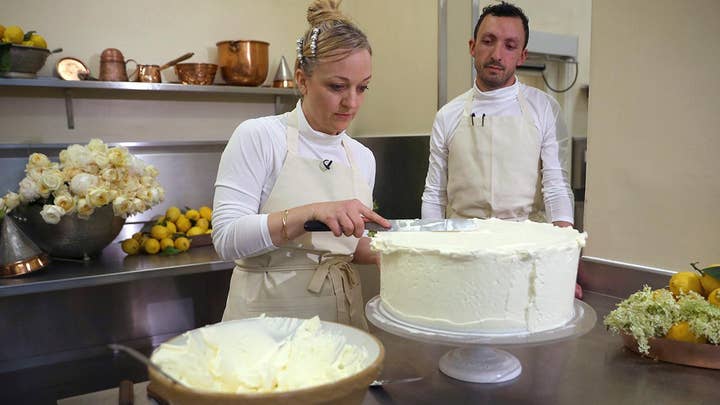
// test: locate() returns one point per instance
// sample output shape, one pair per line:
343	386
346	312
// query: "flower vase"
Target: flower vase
72	237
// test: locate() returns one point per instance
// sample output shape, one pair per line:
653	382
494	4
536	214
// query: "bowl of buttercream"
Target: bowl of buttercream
267	360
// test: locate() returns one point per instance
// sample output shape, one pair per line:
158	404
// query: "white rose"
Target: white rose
101	159
52	213
139	205
34	173
151	171
122	207
109	174
131	184
118	156
98	196
147	181
80	184
157	194
66	202
52	179
97	145
29	190
137	166
12	200
77	156
84	209
38	160
2	204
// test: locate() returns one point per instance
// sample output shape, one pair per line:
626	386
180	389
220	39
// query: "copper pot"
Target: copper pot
112	66
243	62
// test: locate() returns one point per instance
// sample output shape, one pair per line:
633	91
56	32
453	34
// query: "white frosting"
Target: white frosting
278	354
503	277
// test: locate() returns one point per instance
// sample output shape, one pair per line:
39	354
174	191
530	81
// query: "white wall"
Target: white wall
653	188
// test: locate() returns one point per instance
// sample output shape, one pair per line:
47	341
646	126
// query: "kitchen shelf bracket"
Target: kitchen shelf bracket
69	114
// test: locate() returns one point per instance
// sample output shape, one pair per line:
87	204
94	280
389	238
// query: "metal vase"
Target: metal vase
72	237
18	254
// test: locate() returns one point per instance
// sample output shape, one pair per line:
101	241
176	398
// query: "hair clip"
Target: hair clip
313	41
299	43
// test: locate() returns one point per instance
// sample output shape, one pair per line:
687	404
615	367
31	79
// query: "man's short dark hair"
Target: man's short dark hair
504	9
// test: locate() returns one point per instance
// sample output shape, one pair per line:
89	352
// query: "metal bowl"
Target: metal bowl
24	61
196	73
72	237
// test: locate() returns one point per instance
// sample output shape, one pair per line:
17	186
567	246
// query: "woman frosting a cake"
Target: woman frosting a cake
278	172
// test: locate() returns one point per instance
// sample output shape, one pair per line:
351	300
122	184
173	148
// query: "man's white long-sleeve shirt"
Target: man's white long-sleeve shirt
249	168
554	152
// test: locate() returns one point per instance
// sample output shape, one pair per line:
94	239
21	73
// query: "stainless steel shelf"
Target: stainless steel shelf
71	88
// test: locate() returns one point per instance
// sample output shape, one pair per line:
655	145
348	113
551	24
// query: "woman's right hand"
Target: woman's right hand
346	217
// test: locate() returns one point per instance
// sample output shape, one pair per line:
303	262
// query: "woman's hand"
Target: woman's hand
346	217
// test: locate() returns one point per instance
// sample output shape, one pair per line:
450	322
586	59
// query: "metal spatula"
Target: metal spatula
408	225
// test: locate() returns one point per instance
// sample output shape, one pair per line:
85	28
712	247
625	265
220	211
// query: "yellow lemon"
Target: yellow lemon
182	244
183	224
173	213
2	30
27	43
38	40
714	297
137	236
205	212
208	232
192	215
159	232
151	246
130	246
195	231
166	243
13	34
203	224
171	227
161	221
681	331
685	281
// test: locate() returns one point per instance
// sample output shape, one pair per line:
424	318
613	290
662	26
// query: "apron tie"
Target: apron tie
345	283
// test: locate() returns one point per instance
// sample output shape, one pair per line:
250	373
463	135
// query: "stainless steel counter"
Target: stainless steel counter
112	266
591	369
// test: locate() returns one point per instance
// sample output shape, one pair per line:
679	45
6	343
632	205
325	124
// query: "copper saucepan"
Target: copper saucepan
151	73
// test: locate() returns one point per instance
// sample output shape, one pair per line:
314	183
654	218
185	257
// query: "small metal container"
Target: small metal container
196	73
112	66
243	62
18	254
24	61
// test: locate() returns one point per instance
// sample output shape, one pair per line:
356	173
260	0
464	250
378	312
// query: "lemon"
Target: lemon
161	221
714	297
13	34
183	224
195	231
681	331
159	232
192	215
151	246
171	227
166	243
38	41
203	224
27	43
137	236
685	281
205	212
182	244
172	213
130	246
2	30
208	232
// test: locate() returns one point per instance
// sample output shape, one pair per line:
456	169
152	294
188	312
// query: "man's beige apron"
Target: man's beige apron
310	275
494	167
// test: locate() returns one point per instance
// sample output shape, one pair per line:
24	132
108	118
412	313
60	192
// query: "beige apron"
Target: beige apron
310	275
494	167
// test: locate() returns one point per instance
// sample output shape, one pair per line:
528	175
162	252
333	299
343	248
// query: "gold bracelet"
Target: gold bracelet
284	224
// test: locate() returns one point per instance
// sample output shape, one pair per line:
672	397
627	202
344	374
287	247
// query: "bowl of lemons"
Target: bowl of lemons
22	54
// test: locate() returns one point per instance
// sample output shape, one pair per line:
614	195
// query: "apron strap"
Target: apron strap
345	283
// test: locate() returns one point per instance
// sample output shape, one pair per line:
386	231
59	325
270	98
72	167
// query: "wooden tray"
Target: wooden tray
672	351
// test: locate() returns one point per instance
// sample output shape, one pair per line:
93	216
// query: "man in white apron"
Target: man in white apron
278	172
501	149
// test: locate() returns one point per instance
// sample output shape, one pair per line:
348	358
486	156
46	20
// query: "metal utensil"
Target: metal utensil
143	359
380	383
408	225
176	61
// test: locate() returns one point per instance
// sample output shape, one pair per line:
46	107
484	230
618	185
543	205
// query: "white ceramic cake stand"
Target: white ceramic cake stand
475	361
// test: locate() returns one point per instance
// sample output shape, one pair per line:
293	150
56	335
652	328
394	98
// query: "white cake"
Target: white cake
504	277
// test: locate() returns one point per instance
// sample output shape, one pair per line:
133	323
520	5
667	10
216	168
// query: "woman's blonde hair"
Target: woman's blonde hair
331	36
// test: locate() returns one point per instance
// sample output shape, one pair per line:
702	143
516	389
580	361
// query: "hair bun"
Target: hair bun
321	11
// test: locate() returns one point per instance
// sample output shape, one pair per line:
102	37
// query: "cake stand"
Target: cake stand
475	360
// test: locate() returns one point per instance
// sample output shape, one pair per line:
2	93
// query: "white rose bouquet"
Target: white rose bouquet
87	177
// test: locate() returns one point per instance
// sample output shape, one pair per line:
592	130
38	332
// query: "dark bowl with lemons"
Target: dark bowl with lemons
21	61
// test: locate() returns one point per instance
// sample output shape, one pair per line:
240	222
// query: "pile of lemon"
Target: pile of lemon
706	282
15	35
171	233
